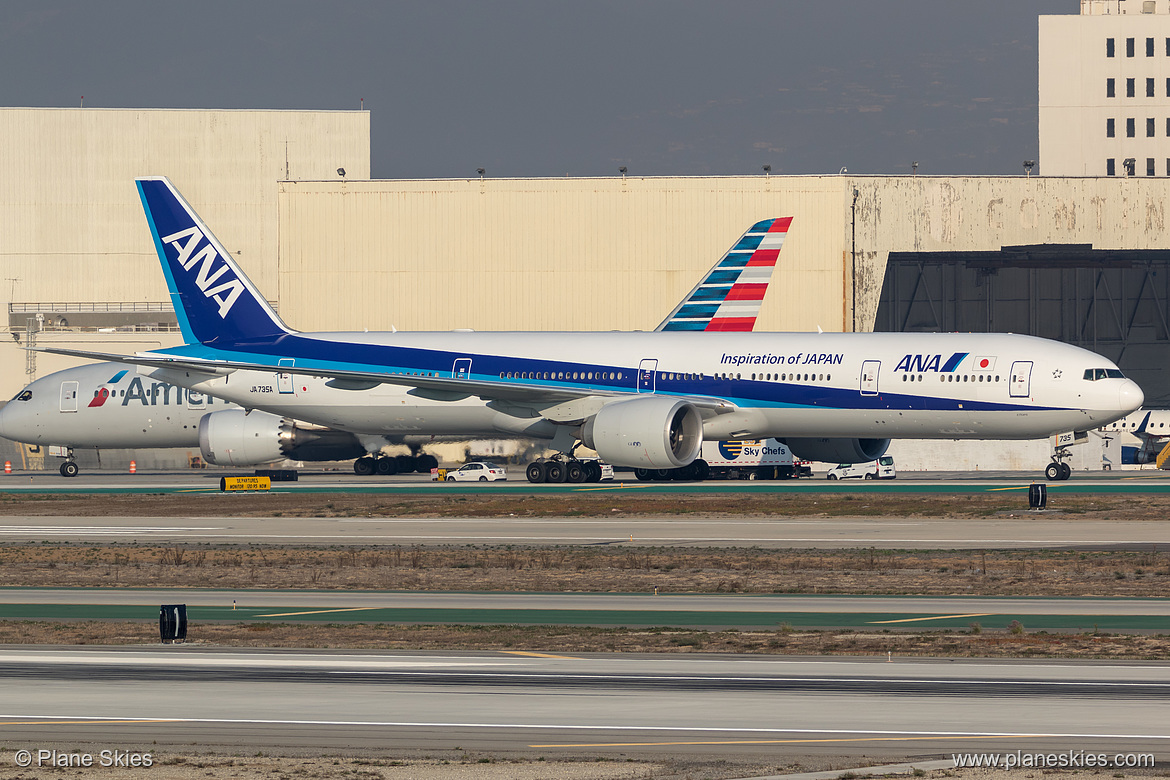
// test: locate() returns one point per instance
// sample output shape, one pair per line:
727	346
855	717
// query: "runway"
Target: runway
597	705
705	611
1022	530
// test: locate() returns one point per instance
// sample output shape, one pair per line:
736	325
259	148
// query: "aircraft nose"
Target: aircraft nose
6	421
1131	396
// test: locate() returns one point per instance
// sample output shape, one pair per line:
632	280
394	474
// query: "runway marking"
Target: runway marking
936	617
612	487
539	655
87	722
319	611
779	741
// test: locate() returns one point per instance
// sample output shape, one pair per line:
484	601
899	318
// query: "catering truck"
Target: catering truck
752	459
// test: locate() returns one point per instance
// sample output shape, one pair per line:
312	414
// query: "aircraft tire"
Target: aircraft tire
592	471
363	466
404	464
575	472
555	471
535	472
424	463
642	475
385	466
1053	471
662	475
69	469
1065	471
702	470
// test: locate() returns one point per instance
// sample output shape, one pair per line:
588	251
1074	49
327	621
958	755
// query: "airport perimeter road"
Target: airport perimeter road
1022	530
1146	481
593	705
703	611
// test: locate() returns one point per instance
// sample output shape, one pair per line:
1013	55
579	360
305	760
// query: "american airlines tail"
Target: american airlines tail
214	301
729	297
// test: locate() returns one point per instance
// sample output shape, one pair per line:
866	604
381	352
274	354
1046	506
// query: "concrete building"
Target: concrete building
1105	90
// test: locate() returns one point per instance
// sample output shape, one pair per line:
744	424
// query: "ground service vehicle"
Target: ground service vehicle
751	459
882	468
478	471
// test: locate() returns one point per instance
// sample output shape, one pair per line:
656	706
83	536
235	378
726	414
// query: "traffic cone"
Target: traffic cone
7	467
133	467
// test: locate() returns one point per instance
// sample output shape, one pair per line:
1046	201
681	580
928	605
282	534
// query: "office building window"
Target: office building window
1110	128
1129	128
1167	87
1150	166
1150	127
1149	47
1149	87
1168	47
1129	87
1110	167
1109	46
1168	127
1111	91
1168	166
1129	47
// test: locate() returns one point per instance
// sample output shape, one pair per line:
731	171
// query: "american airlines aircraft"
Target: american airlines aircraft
105	405
639	399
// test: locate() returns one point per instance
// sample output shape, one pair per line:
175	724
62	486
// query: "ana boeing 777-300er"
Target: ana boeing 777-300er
106	406
639	399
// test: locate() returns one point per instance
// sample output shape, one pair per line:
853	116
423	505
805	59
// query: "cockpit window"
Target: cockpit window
1093	374
23	395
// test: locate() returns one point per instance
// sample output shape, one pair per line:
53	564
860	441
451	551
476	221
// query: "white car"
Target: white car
478	471
882	468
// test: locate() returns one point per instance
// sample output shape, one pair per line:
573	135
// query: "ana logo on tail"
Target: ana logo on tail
185	242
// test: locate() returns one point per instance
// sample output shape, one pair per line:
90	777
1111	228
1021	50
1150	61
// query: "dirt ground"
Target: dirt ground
176	765
584	504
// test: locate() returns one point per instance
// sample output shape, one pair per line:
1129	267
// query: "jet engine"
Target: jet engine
838	450
651	431
235	438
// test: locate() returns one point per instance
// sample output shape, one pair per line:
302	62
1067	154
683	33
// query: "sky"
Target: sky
549	88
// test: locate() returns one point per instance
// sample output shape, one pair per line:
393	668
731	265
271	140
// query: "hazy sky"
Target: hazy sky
544	88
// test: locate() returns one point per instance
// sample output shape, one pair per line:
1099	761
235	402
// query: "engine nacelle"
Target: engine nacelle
652	431
838	450
233	438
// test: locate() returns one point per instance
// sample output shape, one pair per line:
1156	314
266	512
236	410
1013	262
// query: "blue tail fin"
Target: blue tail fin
214	301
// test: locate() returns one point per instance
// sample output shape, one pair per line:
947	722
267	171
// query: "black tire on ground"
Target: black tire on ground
642	475
555	471
404	464
663	474
831	476
592	471
574	472
424	463
535	472
363	466
69	469
1053	471
869	476
386	466
1065	471
450	479
702	470
483	479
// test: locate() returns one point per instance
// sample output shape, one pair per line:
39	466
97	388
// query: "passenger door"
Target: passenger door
461	369
69	396
869	376
1020	384
646	371
284	382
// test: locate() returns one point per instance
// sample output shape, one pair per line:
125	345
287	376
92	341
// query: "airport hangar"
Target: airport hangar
1083	260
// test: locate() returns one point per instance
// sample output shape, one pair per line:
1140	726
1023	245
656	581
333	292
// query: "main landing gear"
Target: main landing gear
556	469
388	465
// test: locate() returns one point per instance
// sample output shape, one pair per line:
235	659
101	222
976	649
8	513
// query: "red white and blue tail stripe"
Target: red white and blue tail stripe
729	297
